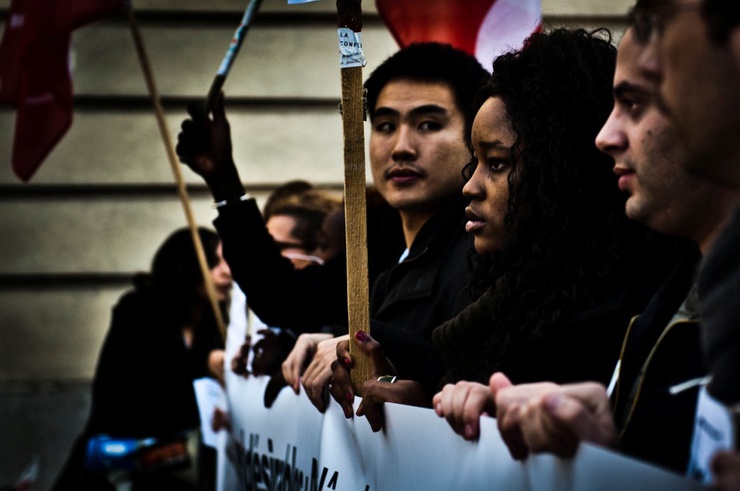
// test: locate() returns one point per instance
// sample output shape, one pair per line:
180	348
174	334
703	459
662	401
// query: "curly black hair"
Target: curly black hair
568	238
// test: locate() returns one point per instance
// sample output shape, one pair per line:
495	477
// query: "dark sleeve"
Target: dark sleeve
141	385
411	353
207	339
461	341
302	300
719	283
120	368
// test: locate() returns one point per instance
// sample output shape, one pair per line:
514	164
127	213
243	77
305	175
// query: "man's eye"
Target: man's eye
633	106
384	127
430	126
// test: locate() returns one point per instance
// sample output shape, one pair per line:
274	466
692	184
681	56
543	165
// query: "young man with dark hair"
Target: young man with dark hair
418	101
697	46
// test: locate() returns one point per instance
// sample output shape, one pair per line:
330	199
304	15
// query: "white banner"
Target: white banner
291	446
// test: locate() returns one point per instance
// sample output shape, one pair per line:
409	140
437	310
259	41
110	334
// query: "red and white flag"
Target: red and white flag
484	28
34	72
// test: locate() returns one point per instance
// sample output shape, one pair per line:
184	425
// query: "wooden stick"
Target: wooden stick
161	121
358	297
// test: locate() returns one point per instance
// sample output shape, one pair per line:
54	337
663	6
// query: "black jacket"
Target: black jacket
430	286
655	425
719	284
143	382
583	345
316	295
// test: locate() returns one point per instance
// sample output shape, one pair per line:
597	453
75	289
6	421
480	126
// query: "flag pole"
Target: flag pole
352	59
236	42
182	191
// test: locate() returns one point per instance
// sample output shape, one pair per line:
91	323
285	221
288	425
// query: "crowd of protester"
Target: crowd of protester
551	243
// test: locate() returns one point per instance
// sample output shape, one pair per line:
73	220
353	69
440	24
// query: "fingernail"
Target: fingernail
361	336
347	362
438	408
348	396
468	432
347	412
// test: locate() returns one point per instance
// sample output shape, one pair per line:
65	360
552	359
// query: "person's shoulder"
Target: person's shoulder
134	302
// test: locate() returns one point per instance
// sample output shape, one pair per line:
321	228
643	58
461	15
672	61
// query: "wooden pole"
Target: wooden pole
182	191
358	298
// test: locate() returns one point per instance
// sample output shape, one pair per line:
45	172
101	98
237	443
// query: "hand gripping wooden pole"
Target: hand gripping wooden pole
352	107
182	191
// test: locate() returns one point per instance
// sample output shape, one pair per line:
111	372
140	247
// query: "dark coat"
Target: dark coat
719	285
143	387
429	287
143	383
583	345
655	425
316	294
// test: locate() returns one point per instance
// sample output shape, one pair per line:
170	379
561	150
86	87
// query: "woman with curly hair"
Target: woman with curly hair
561	264
561	268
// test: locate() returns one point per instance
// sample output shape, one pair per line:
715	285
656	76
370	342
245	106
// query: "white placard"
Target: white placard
713	431
210	396
292	446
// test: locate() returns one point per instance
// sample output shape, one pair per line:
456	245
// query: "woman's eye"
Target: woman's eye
496	164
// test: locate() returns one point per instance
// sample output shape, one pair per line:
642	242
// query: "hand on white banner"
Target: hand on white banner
551	418
269	353
240	362
316	378
341	383
404	392
462	405
300	356
377	392
220	420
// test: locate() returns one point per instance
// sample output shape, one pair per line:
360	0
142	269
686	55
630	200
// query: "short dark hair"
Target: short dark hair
431	63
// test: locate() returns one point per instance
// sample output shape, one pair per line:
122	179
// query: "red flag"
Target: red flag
34	72
484	28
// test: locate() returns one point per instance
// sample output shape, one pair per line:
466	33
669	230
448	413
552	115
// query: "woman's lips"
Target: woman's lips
474	222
